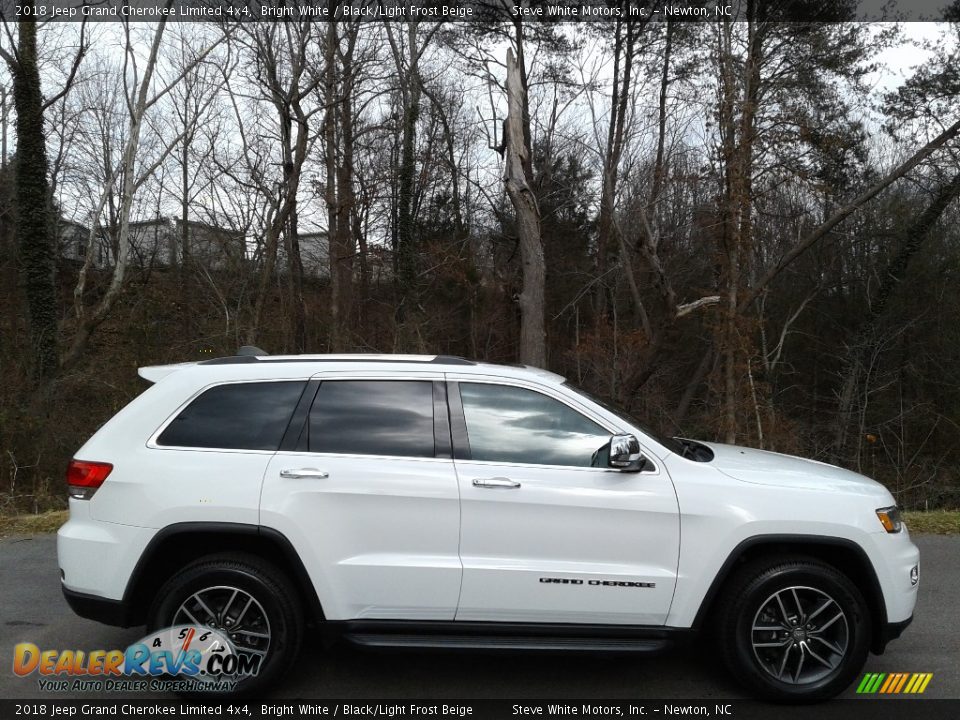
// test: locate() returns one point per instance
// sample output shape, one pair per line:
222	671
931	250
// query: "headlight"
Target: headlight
890	519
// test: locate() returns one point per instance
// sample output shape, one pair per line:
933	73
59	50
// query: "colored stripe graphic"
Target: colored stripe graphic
886	685
903	680
894	683
867	684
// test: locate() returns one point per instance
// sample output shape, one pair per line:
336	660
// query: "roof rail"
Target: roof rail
249	354
451	360
231	360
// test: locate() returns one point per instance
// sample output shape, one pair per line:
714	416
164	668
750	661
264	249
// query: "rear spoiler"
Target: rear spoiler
156	373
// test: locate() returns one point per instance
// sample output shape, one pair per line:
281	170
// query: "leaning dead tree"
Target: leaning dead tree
518	179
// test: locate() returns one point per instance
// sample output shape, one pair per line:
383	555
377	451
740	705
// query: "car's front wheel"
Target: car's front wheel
244	599
794	630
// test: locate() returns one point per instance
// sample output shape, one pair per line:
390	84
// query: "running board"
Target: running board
507	636
477	642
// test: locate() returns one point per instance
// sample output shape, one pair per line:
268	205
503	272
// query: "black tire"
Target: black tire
260	580
753	599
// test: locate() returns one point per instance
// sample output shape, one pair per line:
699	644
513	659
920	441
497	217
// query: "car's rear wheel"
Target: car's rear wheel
793	630
246	600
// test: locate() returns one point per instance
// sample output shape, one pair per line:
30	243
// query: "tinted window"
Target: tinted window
373	417
667	442
247	416
511	424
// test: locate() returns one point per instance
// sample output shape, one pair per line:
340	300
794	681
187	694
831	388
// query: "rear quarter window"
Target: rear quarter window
236	416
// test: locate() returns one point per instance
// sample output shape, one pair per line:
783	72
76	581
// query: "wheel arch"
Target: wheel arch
176	545
841	553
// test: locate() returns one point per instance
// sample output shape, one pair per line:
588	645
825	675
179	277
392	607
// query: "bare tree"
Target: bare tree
518	179
131	177
286	75
341	74
407	53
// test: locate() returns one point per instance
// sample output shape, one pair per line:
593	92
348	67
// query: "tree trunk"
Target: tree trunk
285	91
406	238
608	236
518	179
330	184
738	138
185	188
343	240
36	246
291	183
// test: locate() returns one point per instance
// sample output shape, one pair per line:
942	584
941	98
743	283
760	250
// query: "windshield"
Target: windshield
667	442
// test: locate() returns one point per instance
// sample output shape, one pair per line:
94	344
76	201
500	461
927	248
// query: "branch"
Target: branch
842	214
12	56
81	53
777	351
687	308
227	32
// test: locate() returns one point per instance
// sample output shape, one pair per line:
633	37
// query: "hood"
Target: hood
770	468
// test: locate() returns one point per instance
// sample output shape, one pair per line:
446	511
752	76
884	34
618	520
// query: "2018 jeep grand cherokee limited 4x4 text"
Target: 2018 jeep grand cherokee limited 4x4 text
434	501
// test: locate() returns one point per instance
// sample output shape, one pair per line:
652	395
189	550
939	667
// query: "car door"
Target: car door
549	533
368	495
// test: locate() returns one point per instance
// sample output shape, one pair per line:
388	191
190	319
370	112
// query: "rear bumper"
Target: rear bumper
95	557
888	632
103	610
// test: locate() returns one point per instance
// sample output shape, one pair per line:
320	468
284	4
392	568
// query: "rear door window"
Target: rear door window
235	416
373	417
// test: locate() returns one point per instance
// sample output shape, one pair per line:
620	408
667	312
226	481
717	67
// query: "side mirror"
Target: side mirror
625	453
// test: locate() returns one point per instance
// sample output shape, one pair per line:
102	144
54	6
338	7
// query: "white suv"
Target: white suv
433	501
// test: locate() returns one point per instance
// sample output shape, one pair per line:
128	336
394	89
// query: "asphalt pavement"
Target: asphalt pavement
32	609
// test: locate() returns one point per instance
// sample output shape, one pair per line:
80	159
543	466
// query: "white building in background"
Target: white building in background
73	240
157	243
162	242
315	254
153	243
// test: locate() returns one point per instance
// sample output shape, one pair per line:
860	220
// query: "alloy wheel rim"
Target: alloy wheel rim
800	635
231	611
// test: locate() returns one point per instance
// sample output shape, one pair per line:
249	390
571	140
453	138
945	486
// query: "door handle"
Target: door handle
304	474
496	482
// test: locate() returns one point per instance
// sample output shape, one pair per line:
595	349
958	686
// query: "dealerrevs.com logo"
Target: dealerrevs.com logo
181	658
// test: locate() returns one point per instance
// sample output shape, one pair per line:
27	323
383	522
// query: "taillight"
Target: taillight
84	477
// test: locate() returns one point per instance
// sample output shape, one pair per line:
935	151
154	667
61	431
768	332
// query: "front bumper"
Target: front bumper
894	556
